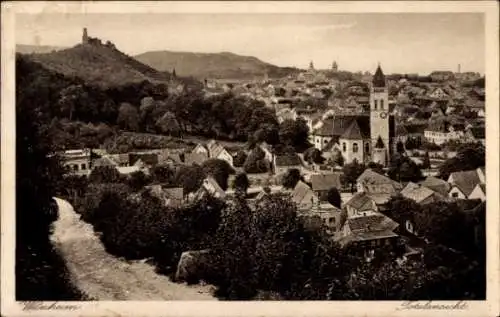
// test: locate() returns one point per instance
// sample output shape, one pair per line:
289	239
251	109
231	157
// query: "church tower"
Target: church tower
379	113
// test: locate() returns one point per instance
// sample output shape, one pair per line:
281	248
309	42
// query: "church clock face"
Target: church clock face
383	115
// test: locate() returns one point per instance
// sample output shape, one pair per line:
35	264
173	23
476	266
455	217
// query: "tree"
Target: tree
334	197
189	178
105	174
163	174
426	163
469	157
241	183
219	170
294	133
403	169
291	178
239	158
40	273
401	209
138	180
234	254
256	162
376	167
400	147
313	155
352	171
338	159
128	117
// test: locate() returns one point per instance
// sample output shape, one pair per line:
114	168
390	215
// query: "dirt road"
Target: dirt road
104	277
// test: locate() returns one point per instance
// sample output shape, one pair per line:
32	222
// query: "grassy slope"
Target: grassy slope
99	64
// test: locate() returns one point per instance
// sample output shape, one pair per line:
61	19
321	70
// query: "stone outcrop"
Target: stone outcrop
192	266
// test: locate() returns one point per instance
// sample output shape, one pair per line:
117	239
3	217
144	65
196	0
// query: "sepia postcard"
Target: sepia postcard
250	158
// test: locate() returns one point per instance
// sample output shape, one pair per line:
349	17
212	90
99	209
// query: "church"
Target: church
365	137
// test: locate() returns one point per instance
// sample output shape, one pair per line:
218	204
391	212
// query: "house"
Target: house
479	192
442	131
303	196
105	161
210	187
476	134
436	184
323	215
217	151
438	93
268	153
121	159
195	158
148	159
464	182
77	161
374	183
365	227
322	183
421	194
171	197
200	149
283	162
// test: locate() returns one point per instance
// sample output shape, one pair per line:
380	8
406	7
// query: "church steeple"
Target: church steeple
311	65
379	78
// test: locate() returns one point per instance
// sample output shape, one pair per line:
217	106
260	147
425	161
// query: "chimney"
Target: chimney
459	68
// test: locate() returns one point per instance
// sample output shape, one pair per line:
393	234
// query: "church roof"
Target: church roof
379	144
337	125
353	132
378	78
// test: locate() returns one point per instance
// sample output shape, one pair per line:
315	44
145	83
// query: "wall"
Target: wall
349	154
459	194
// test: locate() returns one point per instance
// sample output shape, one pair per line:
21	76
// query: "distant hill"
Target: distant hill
100	64
213	65
36	49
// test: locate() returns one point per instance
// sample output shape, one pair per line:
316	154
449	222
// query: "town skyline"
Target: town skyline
357	42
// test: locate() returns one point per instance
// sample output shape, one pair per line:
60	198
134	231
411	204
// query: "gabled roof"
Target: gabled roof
361	201
300	191
371	177
195	158
147	158
104	161
436	184
371	223
339	124
379	78
322	182
421	193
466	181
353	132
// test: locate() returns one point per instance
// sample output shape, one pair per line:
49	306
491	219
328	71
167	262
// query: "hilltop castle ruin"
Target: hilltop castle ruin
87	40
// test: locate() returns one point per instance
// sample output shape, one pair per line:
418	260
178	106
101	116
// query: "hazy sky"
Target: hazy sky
418	42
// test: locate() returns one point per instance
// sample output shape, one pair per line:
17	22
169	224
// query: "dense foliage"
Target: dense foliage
469	157
41	273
